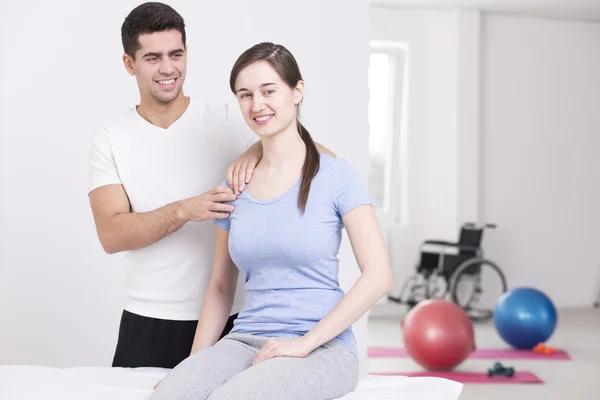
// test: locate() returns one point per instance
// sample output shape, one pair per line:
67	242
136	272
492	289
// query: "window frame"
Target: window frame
393	212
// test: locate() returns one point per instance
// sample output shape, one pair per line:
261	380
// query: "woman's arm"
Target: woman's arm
219	295
375	281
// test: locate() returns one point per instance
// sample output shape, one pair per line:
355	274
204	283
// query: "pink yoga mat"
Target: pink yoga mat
471	377
481	354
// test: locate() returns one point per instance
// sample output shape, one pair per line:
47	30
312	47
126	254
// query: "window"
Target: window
387	119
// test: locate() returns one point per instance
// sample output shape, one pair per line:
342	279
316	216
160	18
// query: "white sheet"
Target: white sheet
98	383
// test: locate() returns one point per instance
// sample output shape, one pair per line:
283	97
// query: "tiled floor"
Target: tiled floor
578	333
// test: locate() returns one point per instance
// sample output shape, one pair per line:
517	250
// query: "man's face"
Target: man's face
159	66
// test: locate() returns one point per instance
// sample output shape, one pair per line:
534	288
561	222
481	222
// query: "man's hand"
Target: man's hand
208	205
241	169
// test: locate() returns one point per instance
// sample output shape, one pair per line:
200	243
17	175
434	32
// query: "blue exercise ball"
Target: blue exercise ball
525	317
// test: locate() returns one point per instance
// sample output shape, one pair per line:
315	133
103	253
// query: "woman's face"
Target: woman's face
268	104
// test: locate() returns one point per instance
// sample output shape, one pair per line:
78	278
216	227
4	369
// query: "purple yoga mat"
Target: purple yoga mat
470	377
481	354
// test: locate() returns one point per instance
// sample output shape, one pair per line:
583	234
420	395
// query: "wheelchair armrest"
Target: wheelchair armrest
439	242
450	244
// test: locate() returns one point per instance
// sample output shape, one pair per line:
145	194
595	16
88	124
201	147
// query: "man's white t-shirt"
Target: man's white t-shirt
157	166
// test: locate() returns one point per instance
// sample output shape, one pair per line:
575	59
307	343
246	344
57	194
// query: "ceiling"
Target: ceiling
567	9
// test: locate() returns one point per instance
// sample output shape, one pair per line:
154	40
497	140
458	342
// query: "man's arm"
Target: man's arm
119	229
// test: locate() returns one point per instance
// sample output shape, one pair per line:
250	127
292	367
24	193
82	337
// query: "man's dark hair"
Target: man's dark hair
149	18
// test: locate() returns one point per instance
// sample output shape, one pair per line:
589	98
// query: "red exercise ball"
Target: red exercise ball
438	335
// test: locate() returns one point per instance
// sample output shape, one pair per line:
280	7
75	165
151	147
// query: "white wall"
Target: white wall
61	296
540	147
503	127
442	184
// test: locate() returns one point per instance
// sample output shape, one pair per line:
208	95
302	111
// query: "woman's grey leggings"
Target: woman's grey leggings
223	372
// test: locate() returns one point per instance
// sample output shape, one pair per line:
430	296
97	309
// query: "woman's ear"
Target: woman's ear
298	92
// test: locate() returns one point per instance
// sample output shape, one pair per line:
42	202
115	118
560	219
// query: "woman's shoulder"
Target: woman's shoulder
345	185
332	166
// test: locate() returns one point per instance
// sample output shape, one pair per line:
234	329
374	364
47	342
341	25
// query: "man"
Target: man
153	177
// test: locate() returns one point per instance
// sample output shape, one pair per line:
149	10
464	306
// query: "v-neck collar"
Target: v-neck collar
178	121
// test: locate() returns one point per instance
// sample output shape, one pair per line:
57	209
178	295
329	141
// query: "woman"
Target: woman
293	340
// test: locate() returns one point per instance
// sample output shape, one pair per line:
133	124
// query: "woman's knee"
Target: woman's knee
183	382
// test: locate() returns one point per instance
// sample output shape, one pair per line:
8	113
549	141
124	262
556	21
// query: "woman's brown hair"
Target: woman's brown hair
286	66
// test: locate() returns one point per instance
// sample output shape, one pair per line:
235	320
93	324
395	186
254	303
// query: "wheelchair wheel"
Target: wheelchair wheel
475	286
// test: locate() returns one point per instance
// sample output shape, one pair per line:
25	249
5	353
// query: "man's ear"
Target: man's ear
128	62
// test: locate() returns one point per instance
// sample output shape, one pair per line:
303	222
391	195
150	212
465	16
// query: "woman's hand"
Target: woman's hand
298	348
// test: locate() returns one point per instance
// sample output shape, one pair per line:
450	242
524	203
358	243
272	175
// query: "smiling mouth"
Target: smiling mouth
167	82
263	118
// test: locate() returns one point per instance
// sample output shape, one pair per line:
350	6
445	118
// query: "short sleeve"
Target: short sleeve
102	169
224	223
347	188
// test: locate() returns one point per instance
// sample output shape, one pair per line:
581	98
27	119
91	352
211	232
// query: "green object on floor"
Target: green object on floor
500	369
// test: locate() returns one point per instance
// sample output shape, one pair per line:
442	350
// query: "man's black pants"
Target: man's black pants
152	342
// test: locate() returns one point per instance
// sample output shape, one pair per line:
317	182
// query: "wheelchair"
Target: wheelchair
445	268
